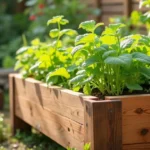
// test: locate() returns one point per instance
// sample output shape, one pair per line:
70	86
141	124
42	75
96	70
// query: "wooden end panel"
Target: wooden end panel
103	124
136	118
16	123
59	128
64	102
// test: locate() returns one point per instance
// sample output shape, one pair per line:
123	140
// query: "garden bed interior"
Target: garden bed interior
72	119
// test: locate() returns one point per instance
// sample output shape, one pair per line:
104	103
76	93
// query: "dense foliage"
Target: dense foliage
107	62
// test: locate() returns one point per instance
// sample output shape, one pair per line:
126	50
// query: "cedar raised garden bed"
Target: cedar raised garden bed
72	119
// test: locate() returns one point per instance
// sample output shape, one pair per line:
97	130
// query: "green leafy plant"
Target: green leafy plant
49	62
110	62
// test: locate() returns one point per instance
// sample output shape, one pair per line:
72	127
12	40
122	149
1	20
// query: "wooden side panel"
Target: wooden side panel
16	123
137	147
136	118
61	129
64	102
103	124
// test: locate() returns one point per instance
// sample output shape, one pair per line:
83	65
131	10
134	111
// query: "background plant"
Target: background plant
39	11
11	28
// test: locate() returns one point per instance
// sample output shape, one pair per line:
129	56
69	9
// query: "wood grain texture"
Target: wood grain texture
61	129
16	123
103	124
136	118
137	147
62	101
127	7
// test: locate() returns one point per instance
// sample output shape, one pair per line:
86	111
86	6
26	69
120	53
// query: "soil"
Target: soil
146	90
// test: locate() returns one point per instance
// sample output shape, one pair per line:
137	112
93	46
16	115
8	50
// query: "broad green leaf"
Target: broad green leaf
141	57
54	33
69	32
72	68
86	38
89	26
98	25
35	42
87	89
116	26
77	78
60	72
124	59
145	72
34	67
145	40
108	53
91	60
51	80
102	48
18	65
126	43
55	19
76	88
134	87
64	22
22	50
81	72
113	29
77	48
87	80
108	39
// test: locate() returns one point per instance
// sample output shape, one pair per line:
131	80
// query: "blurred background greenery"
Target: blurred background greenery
29	17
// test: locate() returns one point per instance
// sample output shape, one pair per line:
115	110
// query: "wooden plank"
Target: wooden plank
111	1
136	118
127	7
145	146
103	124
62	101
5	72
61	129
16	123
116	9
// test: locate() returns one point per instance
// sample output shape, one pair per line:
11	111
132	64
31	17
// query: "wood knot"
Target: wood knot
139	110
68	129
144	131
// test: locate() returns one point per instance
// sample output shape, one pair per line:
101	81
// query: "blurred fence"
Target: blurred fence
112	8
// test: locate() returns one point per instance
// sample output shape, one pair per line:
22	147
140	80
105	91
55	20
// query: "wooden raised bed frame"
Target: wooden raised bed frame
72	119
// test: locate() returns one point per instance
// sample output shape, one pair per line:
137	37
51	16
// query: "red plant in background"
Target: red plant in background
41	6
32	17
